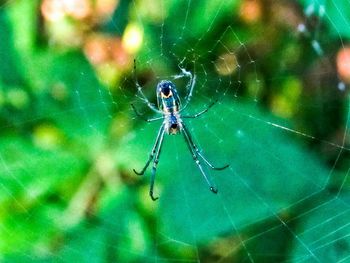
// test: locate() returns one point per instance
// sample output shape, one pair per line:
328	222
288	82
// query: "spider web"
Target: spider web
68	166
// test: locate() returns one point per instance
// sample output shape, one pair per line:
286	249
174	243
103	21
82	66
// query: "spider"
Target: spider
169	105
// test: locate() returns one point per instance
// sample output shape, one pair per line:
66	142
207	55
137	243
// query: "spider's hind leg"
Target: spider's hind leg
195	148
208	163
154	168
152	183
158	141
214	190
195	158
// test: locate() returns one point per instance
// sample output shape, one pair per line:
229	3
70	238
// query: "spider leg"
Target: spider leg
141	116
143	97
193	145
201	112
154	168
189	86
195	158
153	151
209	164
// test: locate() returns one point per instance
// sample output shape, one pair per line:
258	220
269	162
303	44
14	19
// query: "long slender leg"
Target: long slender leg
201	112
141	116
154	168
195	158
143	97
195	148
209	164
189	86
159	137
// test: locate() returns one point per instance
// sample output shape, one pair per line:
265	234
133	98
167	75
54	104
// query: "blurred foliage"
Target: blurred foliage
69	140
330	246
271	178
336	13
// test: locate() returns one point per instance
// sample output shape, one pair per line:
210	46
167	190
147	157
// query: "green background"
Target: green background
69	138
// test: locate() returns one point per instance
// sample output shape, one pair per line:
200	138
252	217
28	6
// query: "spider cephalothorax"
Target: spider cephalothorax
169	105
167	97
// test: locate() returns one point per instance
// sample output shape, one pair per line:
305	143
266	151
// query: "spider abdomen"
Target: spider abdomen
172	123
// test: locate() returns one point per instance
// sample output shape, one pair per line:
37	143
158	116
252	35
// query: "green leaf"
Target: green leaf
324	232
62	87
69	94
119	234
85	244
201	17
29	234
259	182
28	176
24	20
28	172
10	69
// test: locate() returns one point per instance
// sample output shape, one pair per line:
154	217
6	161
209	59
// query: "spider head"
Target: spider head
167	96
165	88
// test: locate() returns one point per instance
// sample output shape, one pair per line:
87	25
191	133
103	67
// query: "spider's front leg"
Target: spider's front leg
143	97
201	112
189	86
143	118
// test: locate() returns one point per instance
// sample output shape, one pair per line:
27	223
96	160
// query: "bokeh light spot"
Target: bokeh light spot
132	38
18	98
250	11
226	64
52	10
343	64
47	136
78	9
